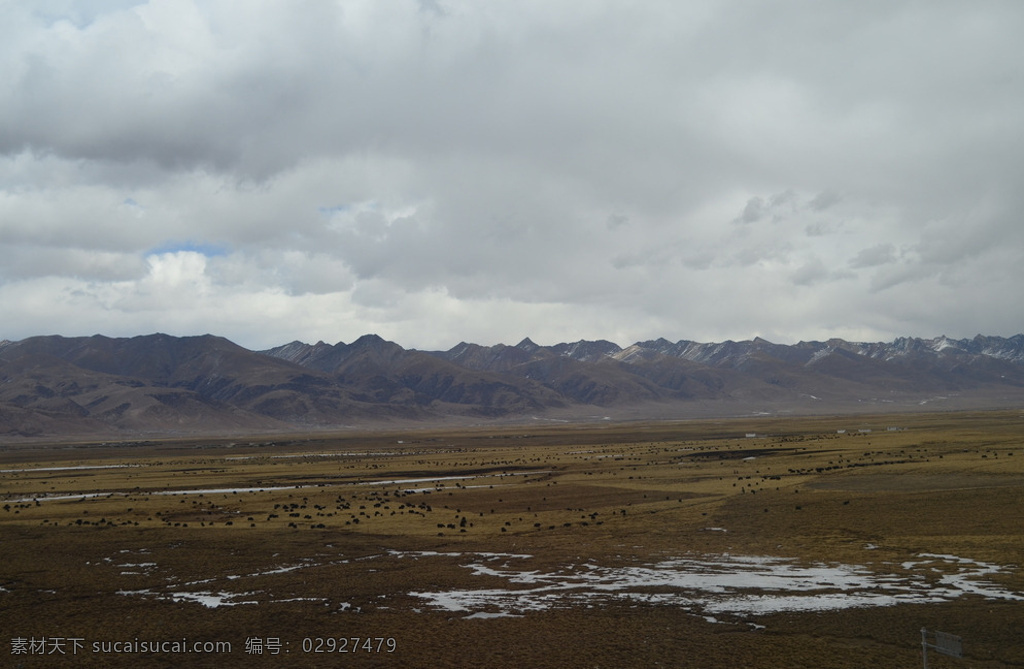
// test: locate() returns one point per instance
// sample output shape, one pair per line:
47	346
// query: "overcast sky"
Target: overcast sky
438	171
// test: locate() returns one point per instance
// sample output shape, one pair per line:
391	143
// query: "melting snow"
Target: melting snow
726	584
486	615
709	586
208	599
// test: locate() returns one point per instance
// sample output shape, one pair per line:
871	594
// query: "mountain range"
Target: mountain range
91	387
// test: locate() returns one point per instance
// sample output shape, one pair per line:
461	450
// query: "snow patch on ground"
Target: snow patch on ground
725	584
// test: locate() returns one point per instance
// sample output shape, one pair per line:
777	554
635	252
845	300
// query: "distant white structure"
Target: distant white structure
751	435
865	430
840	431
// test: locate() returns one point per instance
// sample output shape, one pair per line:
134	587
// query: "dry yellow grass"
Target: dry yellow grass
333	536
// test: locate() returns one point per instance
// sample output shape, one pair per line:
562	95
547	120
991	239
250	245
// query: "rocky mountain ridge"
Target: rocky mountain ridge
56	386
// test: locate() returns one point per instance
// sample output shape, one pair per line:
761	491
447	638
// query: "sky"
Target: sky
443	171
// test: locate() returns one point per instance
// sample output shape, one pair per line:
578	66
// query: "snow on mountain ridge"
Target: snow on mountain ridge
732	352
819	354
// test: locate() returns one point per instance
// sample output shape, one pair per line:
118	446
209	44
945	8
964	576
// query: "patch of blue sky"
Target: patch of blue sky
82	14
333	210
205	248
336	209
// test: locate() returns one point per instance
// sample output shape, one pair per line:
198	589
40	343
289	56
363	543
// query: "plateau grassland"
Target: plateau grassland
763	542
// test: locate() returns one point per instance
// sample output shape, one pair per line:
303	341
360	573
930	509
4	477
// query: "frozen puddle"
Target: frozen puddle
437	482
726	584
65	469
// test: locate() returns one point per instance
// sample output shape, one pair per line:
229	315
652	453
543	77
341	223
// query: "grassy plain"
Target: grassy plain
313	537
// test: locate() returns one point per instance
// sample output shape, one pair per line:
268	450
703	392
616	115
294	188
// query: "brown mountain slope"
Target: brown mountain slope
162	384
